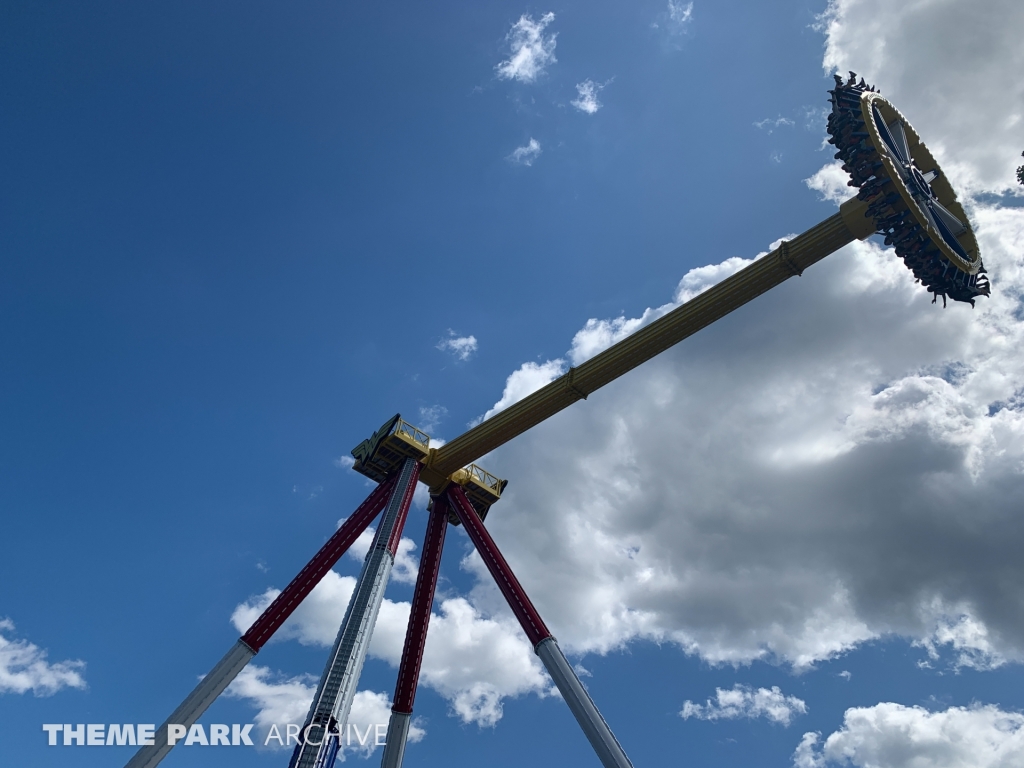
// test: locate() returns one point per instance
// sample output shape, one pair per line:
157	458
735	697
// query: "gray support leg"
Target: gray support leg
596	729
193	707
338	683
398	732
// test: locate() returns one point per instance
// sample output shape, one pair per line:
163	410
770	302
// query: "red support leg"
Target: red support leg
279	610
416	635
545	646
243	651
509	585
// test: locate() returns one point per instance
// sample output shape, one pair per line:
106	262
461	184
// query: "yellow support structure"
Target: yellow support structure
389	447
788	260
482	488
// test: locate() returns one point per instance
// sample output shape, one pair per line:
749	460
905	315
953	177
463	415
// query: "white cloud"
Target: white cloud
839	461
674	22
431	416
830	181
891	735
967	637
472	658
531	51
760	492
525	155
743	701
278	699
677	17
406	566
462	347
597	335
371	708
586	100
24	668
771	125
421	496
955	75
525	381
804	756
475	662
281	700
345	462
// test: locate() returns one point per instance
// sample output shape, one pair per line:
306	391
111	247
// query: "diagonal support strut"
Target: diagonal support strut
328	714
583	708
416	634
249	644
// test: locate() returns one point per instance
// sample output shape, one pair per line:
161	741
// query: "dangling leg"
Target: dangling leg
416	634
341	675
544	644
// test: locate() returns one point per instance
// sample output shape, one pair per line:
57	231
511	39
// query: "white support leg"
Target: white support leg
193	707
398	733
333	697
594	726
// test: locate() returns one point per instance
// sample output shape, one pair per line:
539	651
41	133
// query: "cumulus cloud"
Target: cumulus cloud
525	155
462	347
527	379
598	335
743	701
830	182
280	700
964	635
896	736
953	71
531	51
406	565
586	99
475	659
24	668
823	467
839	461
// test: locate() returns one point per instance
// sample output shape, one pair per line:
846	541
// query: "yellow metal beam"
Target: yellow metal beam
789	259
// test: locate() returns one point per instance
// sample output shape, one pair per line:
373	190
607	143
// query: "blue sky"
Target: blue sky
235	238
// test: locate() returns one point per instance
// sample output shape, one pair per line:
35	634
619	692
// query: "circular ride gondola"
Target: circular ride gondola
908	197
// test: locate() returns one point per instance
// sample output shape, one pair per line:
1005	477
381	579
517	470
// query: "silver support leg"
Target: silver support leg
192	708
398	732
596	729
333	698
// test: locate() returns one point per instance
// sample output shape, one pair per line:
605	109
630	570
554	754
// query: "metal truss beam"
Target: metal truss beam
333	699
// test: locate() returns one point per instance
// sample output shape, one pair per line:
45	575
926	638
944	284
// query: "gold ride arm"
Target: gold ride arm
789	259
